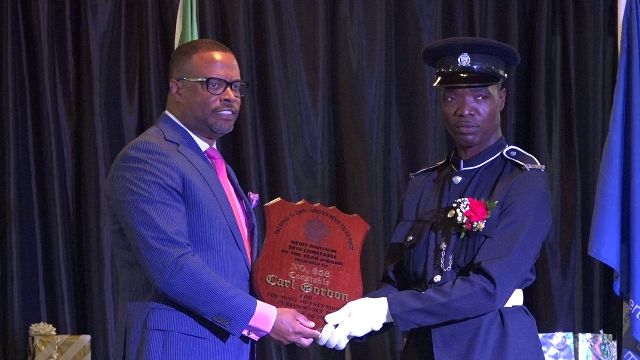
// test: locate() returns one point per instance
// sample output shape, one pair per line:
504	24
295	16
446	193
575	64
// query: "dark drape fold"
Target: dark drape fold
340	111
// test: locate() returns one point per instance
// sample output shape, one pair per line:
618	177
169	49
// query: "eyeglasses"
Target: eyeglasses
217	86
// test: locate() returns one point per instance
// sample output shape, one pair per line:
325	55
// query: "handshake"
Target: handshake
357	318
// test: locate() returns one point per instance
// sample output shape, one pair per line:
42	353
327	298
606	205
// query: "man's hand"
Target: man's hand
357	318
292	327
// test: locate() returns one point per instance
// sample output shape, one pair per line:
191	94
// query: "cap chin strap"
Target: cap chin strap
439	78
470	76
475	68
437	84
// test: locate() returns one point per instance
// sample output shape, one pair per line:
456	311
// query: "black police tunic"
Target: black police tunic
448	291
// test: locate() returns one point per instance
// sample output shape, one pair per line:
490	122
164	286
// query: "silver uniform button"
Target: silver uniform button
456	179
437	278
512	153
409	238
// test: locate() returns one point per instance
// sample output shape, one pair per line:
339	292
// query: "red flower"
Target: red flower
471	214
477	212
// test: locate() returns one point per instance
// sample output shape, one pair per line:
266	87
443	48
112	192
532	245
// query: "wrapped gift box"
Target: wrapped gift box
60	347
558	346
582	346
596	346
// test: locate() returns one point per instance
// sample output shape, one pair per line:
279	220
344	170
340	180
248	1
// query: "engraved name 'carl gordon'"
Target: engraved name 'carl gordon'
317	283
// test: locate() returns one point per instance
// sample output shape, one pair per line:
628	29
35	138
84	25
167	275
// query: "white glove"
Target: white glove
357	318
333	338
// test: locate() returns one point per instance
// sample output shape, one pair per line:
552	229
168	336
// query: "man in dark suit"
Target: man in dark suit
184	233
471	229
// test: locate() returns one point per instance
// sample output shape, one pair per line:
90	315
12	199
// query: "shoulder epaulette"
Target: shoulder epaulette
524	160
432	167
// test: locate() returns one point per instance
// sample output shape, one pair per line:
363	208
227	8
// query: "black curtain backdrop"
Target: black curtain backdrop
340	110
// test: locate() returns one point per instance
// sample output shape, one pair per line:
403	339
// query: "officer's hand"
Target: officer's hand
333	338
357	318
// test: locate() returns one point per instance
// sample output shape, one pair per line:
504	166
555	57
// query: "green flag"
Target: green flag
187	22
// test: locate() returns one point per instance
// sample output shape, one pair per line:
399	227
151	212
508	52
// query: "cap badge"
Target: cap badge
464	59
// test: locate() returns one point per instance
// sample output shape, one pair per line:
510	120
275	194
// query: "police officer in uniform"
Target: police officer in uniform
471	229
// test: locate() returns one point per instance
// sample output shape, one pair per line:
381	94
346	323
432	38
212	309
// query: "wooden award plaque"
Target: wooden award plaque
310	260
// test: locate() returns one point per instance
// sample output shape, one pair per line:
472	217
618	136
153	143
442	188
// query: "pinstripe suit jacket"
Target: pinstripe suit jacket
182	276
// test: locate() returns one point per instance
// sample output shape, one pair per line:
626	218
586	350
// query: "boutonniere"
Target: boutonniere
471	214
254	199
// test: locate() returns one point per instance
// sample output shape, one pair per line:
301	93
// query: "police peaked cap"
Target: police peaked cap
469	61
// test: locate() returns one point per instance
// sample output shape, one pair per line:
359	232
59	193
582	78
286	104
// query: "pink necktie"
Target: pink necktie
221	170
